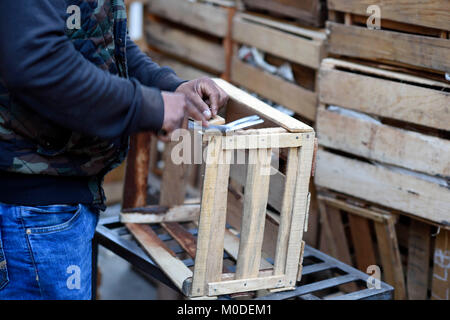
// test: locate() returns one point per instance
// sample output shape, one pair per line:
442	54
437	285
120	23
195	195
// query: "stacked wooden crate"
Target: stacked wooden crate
383	127
190	34
285	32
281	41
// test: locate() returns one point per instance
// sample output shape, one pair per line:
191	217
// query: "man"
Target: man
70	97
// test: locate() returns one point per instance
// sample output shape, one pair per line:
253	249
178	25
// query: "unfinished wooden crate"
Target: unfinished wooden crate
303	48
413	33
264	258
308	12
196	33
392	154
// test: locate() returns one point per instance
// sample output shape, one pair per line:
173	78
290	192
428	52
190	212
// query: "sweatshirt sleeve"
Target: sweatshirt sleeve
43	71
148	72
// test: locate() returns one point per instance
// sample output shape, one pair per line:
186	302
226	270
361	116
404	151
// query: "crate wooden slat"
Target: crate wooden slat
433	14
253	271
197	33
413	33
310	12
198	15
187	46
384	143
403	192
441	259
301	47
293	43
385	93
300	100
389	46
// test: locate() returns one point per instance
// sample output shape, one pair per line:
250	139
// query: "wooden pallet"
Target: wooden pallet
302	48
309	12
370	159
413	33
198	33
245	245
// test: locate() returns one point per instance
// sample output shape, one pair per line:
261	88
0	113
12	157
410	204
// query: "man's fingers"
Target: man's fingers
194	113
209	88
201	105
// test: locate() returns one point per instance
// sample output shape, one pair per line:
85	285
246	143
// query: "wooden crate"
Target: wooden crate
302	48
413	33
399	160
265	258
309	12
412	255
194	32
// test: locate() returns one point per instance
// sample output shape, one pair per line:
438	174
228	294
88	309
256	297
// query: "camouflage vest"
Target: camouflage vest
30	144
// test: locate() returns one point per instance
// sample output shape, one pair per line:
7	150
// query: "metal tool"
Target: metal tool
239	124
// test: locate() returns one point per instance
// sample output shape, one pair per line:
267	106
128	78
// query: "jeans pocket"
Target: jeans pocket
48	219
3	267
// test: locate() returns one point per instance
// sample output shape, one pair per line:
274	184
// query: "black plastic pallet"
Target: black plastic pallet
318	274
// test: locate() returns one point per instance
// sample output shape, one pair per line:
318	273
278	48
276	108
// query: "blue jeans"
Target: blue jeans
46	251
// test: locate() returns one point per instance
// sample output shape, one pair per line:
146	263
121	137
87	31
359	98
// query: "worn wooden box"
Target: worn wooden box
264	245
396	151
193	32
413	33
309	12
302	48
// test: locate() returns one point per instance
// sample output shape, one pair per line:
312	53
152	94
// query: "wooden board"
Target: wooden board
362	242
252	105
304	50
185	45
275	88
390	257
382	45
405	98
441	268
433	14
254	211
310	12
201	16
381	185
174	268
418	260
210	243
384	143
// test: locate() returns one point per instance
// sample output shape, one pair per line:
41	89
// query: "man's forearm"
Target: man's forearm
43	71
148	72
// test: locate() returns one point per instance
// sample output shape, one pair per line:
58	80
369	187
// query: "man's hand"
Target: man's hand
204	99
175	113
